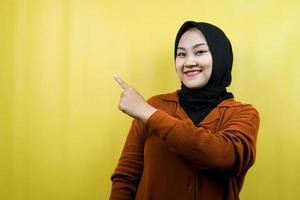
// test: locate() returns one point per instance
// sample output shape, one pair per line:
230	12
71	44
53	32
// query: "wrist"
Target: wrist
149	110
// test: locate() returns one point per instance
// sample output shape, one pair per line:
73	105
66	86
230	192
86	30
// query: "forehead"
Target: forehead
192	36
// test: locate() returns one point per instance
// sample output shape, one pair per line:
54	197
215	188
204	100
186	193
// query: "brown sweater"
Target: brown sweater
169	158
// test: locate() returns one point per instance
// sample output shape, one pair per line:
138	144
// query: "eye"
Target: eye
200	52
180	54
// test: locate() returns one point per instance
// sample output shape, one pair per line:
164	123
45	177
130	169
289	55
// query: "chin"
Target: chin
193	85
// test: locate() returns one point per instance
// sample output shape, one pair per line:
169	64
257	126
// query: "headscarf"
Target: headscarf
197	103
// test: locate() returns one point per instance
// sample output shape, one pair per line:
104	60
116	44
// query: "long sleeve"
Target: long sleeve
126	176
232	148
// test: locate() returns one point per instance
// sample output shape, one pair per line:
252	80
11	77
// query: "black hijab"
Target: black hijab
197	103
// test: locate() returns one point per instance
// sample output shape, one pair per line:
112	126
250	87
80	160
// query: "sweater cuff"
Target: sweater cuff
160	123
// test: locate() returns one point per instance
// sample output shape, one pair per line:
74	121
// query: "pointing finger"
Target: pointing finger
122	83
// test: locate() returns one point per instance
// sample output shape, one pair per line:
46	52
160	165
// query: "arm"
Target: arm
232	148
126	176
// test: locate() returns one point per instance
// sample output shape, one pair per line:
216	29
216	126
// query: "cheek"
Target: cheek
178	65
205	61
206	64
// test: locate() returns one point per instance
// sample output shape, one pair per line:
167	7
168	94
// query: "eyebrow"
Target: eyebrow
195	46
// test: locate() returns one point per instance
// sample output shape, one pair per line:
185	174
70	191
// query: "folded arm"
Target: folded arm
231	148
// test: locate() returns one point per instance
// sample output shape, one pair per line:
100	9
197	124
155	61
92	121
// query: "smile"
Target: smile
192	73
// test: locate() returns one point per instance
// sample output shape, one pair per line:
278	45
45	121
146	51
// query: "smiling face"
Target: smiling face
193	59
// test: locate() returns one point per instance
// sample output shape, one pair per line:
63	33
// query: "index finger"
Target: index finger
122	83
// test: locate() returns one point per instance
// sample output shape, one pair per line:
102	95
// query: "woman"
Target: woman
194	143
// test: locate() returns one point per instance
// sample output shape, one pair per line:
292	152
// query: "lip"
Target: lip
191	73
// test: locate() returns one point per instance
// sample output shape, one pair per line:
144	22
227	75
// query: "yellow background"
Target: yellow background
60	130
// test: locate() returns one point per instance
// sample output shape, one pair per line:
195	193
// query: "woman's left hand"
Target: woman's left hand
132	103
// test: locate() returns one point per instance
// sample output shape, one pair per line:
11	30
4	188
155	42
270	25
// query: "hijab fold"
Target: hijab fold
197	103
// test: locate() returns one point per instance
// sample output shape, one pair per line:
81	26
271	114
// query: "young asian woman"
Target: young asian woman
195	143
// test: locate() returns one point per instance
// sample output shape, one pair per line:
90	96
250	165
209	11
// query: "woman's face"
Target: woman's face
193	59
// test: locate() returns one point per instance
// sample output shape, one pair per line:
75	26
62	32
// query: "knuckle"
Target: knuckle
120	107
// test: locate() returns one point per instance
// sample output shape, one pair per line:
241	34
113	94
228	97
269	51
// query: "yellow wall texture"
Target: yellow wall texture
60	130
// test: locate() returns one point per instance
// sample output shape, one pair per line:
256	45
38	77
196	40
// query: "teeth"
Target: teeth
193	72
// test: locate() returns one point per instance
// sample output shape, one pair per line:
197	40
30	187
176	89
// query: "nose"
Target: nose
190	61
